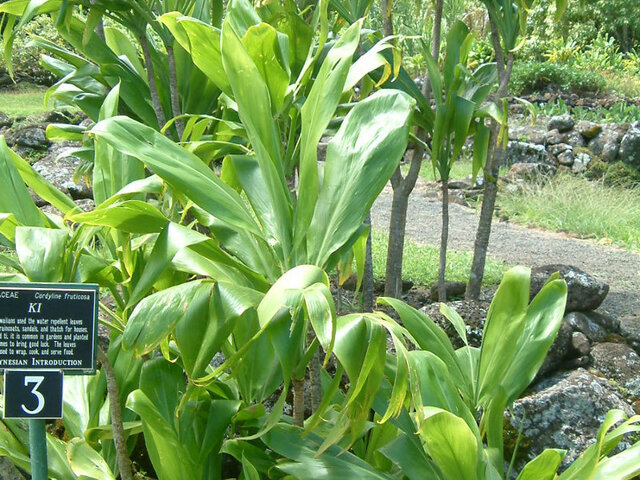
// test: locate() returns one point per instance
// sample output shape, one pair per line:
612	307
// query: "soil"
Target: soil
519	245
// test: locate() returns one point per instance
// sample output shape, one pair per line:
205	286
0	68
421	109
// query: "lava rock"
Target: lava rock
566	158
562	123
630	330
581	161
630	147
558	352
584	291
5	120
580	322
523	152
29	136
59	171
609	323
553	137
588	130
607	144
559	148
574	139
618	362
473	313
580	344
564	411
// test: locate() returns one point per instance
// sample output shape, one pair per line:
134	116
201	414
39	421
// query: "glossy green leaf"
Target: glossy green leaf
41	252
334	464
450	444
369	145
157	315
131	216
111	169
317	111
16	198
182	170
261	42
120	44
504	325
543	467
86	462
542	322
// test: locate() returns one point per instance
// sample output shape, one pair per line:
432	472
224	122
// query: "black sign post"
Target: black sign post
45	329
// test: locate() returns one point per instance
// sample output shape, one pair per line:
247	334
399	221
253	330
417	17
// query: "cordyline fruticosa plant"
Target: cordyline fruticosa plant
233	266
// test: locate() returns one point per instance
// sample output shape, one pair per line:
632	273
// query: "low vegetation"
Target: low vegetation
23	100
611	214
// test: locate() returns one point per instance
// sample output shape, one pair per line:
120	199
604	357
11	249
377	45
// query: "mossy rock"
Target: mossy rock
614	174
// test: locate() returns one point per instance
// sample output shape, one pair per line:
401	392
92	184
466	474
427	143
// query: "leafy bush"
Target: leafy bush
26	58
622	112
529	77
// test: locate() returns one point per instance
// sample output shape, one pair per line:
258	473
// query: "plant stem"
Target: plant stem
367	285
124	463
444	239
151	77
298	403
173	88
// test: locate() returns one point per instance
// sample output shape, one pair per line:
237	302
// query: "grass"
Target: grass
23	100
592	209
420	263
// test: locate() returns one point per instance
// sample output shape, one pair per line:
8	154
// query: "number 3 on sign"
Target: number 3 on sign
37	381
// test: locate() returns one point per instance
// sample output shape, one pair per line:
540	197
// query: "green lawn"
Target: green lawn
420	263
23	100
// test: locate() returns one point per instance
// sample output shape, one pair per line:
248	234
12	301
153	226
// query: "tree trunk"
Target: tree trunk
298	403
397	229
368	300
173	88
151	77
124	463
437	30
495	158
444	239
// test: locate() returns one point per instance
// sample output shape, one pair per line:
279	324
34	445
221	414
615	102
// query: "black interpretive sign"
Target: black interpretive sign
32	394
48	326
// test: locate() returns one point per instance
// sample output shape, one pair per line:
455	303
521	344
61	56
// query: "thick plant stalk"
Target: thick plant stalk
124	463
315	376
495	158
151	77
298	403
444	239
173	89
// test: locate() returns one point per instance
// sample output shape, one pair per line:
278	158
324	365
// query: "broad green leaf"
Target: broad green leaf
542	322
157	315
504	325
120	44
254	108
242	16
131	216
211	317
261	42
368	146
41	252
86	462
411	459
181	169
544	466
621	466
202	41
16	198
317	111
111	169
334	464
450	444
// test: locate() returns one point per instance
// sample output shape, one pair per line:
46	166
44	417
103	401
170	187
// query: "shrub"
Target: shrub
26	59
529	77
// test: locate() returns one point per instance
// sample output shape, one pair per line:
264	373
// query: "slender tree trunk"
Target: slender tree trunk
298	403
367	287
122	457
173	88
402	187
495	158
444	239
151	77
437	29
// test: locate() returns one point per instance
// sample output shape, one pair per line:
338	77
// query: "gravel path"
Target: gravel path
515	244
